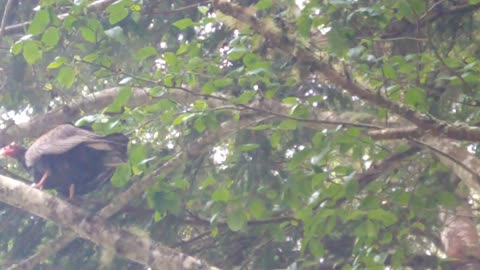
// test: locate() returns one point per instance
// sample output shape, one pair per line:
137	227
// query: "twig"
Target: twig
5	15
224	99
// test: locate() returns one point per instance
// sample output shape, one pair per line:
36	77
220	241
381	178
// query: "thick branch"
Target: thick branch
94	228
395	133
90	103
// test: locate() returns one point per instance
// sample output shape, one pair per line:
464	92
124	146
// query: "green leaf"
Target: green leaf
184	23
261	127
318	180
343	169
355	215
165	201
245	97
164	105
316	248
196	64
90	57
222	82
304	214
352	189
200	104
447	199
170	58
209	181
288	124
318	139
248	147
145	52
330	224
236	220
137	154
402	197
59	61
199	124
183	118
258	209
416	97
39	22
66	76
181	183
88	34
250	59
371	229
418	226
387	218
304	24
18	47
51	37
221	194
208	88
211	121
118	16
92	118
337	42
117	13
120	100
203	10
183	49
418	7
31	52
236	53
264	4
389	72
290	101
275	140
335	191
121	176
404	10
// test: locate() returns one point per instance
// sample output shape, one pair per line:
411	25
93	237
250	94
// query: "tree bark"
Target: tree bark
140	249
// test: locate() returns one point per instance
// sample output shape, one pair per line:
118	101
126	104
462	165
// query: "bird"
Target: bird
69	159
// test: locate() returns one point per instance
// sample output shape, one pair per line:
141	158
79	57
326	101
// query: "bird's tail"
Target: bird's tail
118	154
114	146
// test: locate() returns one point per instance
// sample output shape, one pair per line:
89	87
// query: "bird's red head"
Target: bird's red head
13	150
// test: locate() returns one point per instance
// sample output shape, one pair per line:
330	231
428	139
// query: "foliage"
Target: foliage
284	188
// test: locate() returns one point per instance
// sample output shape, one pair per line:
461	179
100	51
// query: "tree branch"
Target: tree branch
140	249
306	56
5	15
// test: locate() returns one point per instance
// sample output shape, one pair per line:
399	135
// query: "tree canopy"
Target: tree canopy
263	134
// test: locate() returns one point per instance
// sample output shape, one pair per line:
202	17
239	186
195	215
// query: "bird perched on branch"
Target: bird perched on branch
71	160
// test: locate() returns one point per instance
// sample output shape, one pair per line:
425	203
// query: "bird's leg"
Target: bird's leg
71	192
40	184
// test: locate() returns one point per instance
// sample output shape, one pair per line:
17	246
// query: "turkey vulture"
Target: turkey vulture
70	159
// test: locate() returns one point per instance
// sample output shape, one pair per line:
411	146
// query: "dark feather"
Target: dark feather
65	137
75	156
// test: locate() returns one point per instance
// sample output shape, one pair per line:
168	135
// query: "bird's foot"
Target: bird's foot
37	186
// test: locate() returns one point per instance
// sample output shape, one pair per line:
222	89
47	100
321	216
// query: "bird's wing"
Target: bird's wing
59	140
